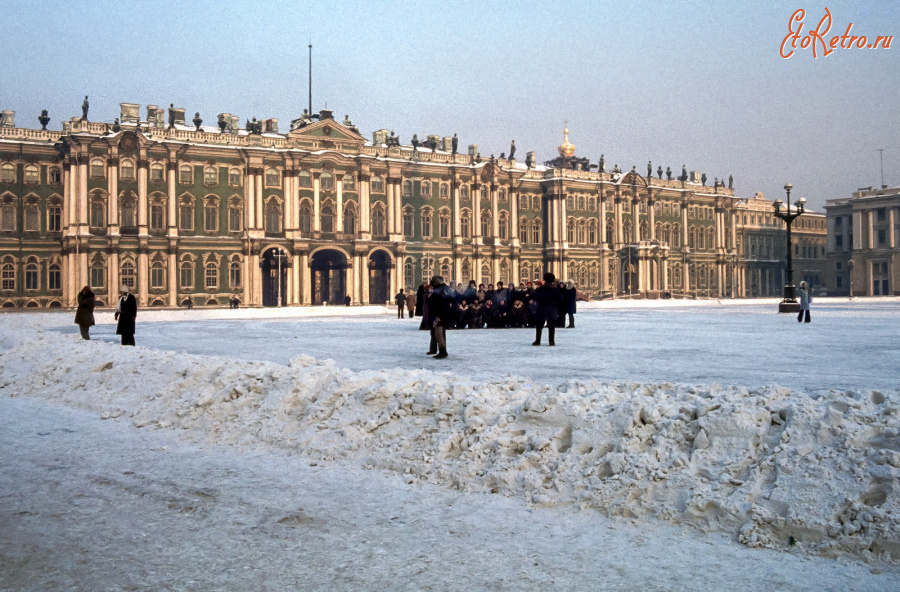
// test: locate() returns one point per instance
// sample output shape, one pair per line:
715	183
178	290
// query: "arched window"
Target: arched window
234	274
426	189
464	223
157	173
98	168
98	213
210	175
408	227
466	271
349	219
627	232
570	231
185	174
645	230
503	226
378	228
8	173
524	272
32	273
32	216
126	274
427	267
235	216
212	275
536	231
234	177
523	231
187	274
32	173
445	191
445	224
570	202
273	177
582	232
426	222
98	273
305	219
186	214
8	276
54	215
409	279
327	220
304	179
592	204
273	216
486	224
158	213
54	277
326	181
127	214
592	232
211	214
486	274
501	194
377	184
464	192
610	232
581	203
676	235
445	268
349	183
407	188
157	275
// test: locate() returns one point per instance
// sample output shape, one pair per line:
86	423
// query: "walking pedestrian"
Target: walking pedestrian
126	315
400	301
84	316
438	303
805	301
411	303
571	302
548	300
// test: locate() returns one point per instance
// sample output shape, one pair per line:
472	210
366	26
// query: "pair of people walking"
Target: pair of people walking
125	315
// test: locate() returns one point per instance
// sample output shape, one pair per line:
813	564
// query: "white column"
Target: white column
249	207
142	197
455	214
260	200
143	278
892	233
365	214
112	272
476	216
339	215
81	195
112	203
391	206
305	279
317	219
172	279
495	217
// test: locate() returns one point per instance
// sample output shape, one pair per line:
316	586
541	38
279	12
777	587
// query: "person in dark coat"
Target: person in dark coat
439	316
400	301
548	300
420	300
84	316
571	302
126	315
424	325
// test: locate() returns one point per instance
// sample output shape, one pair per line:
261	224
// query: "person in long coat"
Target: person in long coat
548	300
420	300
411	303
571	302
84	316
439	316
400	301
805	300
126	315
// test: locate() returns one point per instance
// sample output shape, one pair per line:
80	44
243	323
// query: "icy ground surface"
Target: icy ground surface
266	467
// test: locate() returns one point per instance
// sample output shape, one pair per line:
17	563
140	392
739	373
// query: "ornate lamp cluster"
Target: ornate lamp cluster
789	303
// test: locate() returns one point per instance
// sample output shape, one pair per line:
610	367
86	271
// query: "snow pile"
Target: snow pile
770	465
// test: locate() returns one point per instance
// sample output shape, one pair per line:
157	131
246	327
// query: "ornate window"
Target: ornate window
32	174
234	177
8	276
464	223
234	274
409	279
211	215
408	226
54	277
157	275
444	223
158	215
235	216
126	170
426	189
186	214
570	230
407	188
327	220
210	176
486	274
126	273
581	203
503	226
8	173
592	232
32	273
98	168
378	228
186	174
610	233
127	211
273	216
98	212
349	183
523	231
98	273
32	215
427	267
156	173
501	194
304	179
426	222
326	181
187	274
570	202
212	275
445	268
466	271
592	204
305	219
464	192
349	219
444	191
486	224
582	232
273	177
377	185
54	175
536	231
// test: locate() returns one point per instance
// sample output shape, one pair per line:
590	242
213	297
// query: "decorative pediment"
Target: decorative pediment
327	131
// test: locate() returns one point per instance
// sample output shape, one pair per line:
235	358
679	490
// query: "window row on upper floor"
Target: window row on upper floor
31	174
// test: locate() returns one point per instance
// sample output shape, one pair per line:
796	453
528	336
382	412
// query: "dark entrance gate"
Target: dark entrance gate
379	277
329	270
273	282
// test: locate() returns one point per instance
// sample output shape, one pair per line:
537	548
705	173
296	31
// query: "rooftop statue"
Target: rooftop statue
454	143
84	108
44	119
512	149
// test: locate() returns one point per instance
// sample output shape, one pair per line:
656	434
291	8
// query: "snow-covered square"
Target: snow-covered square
659	446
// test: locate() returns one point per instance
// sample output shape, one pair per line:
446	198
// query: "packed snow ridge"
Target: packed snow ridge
773	466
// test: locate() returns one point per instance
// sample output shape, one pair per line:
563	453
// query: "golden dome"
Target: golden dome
566	149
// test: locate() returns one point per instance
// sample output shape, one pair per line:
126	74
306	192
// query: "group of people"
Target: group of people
125	315
453	306
477	307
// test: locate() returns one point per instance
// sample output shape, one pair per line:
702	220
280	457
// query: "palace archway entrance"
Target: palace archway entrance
379	277
275	263
328	268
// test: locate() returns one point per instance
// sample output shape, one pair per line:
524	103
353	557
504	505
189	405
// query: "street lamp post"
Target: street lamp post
279	254
789	303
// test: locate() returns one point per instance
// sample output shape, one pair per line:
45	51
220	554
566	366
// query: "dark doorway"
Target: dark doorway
379	277
273	261
329	270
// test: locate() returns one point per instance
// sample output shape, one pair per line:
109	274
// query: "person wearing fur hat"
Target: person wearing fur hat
84	316
571	302
126	314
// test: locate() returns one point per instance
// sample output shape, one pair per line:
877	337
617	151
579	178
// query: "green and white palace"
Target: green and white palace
207	214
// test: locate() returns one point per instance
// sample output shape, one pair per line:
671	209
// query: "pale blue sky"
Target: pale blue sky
695	83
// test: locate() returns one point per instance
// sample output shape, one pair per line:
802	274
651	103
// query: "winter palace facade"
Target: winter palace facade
209	214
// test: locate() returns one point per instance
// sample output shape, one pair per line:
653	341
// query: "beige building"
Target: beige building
864	243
